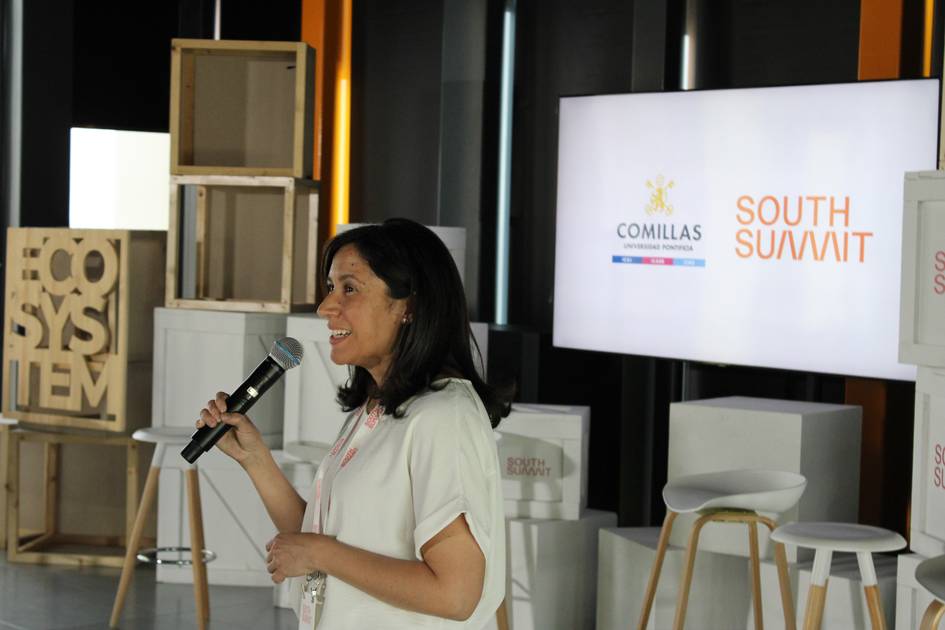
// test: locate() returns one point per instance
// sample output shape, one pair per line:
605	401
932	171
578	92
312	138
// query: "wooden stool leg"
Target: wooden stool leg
686	580
818	589
656	569
868	577
784	581
755	575
502	616
131	548
933	615
201	594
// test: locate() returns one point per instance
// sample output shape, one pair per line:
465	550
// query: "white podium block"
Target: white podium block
819	441
911	598
552	571
313	416
845	606
300	474
719	597
198	353
927	535
543	458
922	297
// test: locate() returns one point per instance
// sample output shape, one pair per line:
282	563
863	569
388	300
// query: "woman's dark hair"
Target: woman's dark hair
415	264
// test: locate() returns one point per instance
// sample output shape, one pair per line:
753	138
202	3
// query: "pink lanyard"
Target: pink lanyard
353	439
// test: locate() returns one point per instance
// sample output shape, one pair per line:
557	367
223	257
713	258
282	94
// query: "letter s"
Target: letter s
744	240
939	283
742	208
940	261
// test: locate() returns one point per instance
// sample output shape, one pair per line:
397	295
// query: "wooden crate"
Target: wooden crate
242	243
241	108
78	322
74	492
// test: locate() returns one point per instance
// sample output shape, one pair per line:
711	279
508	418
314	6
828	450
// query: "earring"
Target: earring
405	320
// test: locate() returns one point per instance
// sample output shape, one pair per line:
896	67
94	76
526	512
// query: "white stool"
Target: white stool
733	496
931	575
163	437
825	538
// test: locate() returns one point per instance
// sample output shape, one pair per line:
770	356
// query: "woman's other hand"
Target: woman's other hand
243	442
291	555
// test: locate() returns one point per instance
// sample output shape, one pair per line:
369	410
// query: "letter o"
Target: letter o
777	210
631	228
106	283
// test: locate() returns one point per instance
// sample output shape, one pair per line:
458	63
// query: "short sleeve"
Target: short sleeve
452	472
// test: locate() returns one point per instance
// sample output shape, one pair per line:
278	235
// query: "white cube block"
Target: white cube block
845	605
543	457
928	464
922	293
300	474
552	571
198	353
313	416
911	598
719	597
819	441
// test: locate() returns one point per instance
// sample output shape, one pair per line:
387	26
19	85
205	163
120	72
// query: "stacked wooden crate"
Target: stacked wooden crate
76	375
241	256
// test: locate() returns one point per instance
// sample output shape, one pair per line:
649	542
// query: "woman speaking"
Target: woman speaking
404	526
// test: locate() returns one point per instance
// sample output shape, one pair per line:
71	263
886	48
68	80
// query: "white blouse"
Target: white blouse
407	480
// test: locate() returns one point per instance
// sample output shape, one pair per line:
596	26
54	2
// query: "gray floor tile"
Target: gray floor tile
61	598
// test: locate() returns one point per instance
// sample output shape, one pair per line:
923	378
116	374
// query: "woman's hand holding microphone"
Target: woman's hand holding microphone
243	442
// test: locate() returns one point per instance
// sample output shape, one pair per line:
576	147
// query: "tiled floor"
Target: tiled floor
58	598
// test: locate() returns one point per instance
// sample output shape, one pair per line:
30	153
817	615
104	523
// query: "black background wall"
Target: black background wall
106	64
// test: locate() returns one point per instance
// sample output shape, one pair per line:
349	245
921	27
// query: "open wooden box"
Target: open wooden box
78	326
242	243
241	107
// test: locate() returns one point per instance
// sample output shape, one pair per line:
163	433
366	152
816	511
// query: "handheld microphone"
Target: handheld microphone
285	354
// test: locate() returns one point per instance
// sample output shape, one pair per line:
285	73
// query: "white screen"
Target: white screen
662	200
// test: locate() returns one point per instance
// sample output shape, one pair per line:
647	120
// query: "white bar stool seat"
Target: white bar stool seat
162	438
825	538
931	575
732	496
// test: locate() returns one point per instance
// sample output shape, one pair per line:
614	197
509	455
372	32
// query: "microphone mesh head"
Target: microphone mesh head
287	352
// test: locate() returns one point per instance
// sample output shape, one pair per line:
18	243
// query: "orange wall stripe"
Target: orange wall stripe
927	31
880	39
341	147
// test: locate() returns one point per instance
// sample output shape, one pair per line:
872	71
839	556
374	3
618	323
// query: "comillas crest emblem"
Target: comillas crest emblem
659	196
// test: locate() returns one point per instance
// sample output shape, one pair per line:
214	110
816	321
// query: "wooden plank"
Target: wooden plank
242	305
34	542
69	559
265	171
131	486
236	46
13	496
173	244
201	236
288	225
4	457
51	467
266	181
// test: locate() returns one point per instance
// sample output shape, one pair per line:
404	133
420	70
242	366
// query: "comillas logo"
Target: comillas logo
655	237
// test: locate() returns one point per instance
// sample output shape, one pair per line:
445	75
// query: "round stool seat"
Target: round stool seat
845	537
756	490
931	575
164	435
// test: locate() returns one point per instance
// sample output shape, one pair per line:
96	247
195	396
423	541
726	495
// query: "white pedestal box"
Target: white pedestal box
313	417
236	525
198	353
845	606
301	474
543	457
819	441
552	571
719	598
911	598
927	535
922	298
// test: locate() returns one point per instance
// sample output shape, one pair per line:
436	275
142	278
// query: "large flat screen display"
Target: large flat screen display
757	227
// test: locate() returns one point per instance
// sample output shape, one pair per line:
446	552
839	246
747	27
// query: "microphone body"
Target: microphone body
286	353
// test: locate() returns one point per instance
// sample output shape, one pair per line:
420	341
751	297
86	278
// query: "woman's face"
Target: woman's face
362	317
